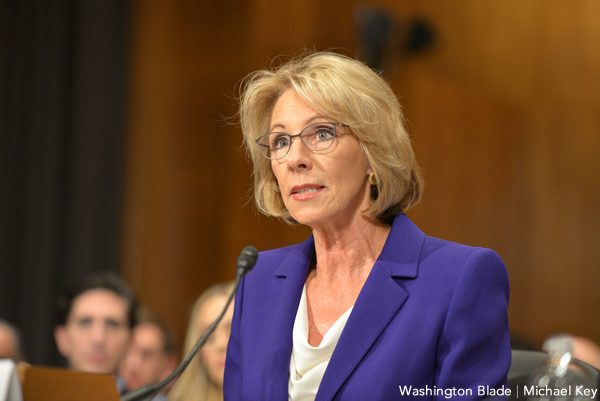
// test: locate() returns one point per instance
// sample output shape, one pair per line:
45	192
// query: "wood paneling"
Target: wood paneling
186	60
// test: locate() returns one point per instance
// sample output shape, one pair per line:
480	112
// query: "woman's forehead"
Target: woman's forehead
291	110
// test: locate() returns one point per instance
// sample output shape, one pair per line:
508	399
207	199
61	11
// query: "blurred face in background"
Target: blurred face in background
147	360
212	355
8	344
96	333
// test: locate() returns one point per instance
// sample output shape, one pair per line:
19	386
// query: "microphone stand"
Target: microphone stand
245	263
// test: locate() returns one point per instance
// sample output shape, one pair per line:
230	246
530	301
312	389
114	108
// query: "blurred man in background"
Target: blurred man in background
94	324
151	356
10	341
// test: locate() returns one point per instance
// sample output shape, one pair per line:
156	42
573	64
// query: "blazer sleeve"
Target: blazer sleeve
232	381
474	346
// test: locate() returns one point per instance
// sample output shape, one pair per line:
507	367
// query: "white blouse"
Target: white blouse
308	363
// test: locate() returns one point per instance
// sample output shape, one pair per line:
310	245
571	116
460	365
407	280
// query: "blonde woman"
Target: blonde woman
369	307
203	379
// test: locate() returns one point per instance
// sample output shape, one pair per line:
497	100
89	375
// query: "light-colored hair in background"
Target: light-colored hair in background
194	384
349	92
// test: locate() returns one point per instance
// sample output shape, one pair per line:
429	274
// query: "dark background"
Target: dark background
117	150
64	70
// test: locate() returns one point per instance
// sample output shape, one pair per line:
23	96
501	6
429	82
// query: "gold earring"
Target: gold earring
372	179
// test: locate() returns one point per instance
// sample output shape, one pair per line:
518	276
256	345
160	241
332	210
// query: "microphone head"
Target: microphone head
247	259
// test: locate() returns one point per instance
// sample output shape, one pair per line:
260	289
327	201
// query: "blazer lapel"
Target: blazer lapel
378	302
286	290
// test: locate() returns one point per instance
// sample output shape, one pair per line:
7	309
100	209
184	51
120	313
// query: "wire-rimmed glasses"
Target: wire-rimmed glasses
316	137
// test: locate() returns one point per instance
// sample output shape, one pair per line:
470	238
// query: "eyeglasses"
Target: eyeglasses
316	137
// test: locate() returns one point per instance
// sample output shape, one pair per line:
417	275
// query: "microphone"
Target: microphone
246	260
245	263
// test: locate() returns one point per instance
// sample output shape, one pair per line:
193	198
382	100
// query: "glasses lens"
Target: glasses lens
274	145
318	136
279	144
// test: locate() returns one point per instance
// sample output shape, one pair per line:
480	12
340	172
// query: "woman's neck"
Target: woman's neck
350	251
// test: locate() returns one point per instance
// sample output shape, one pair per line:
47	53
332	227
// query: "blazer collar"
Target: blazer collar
301	256
285	289
402	248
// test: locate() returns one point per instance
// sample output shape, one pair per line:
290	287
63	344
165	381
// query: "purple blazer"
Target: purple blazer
431	315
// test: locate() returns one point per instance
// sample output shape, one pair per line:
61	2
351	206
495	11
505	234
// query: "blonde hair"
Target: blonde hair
351	93
194	383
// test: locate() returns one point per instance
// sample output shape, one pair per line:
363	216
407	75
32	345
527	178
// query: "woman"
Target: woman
203	378
368	305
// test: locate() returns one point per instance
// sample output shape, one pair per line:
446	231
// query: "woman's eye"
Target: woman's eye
279	142
324	133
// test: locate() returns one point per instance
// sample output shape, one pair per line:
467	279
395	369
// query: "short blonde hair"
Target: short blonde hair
351	93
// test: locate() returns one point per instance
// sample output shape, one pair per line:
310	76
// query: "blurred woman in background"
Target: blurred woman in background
203	379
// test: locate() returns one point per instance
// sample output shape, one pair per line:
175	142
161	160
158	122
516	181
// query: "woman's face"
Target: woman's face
325	189
212	354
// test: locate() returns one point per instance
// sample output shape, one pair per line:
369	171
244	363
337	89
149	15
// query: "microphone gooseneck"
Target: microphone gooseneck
245	263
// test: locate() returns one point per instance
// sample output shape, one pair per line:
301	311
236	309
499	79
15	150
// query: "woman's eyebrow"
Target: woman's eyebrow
307	122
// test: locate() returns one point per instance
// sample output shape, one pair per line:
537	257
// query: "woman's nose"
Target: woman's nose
299	156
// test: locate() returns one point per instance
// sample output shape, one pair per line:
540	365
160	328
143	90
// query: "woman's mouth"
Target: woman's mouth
304	192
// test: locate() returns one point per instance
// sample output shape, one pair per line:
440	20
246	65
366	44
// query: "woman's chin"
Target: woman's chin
308	218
